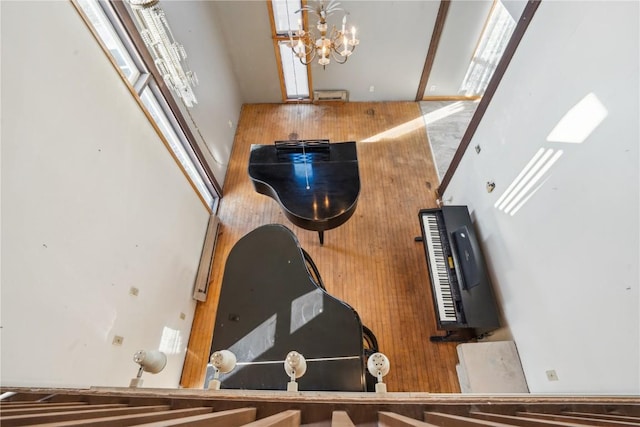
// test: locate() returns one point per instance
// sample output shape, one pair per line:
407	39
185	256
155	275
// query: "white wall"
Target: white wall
460	34
247	34
394	40
92	204
565	265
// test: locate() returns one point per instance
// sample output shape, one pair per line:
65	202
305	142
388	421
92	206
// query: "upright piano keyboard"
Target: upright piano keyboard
461	289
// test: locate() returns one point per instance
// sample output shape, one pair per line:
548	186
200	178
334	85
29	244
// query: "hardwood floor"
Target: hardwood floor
372	261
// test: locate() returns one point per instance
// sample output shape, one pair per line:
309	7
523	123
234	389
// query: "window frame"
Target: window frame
277	39
119	18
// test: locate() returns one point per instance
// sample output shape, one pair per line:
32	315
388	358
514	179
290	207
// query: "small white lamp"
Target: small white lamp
295	365
378	366
223	361
152	361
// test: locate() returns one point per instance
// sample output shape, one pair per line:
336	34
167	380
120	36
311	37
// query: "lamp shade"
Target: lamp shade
152	361
224	361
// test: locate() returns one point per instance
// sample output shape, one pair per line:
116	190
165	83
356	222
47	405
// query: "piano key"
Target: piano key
441	286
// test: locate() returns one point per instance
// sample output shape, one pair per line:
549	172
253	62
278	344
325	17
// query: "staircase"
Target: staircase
191	407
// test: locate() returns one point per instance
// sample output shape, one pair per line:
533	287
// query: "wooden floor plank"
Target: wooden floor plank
591	420
451	420
230	418
615	417
341	419
161	417
32	404
372	261
48	408
391	419
84	414
289	418
522	421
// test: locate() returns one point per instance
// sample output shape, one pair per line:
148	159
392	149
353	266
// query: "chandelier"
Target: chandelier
324	45
168	55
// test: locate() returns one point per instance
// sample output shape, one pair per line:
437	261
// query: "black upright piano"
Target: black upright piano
461	288
316	183
271	303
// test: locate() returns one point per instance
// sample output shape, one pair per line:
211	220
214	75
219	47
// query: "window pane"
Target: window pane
294	73
150	101
284	15
107	33
492	44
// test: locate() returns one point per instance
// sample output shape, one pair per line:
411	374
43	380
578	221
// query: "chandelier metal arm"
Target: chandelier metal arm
310	60
339	58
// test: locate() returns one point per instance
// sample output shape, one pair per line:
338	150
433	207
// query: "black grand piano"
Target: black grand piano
463	297
315	182
272	302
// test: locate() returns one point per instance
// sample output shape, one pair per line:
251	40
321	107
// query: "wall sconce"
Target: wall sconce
223	361
152	361
378	366
295	365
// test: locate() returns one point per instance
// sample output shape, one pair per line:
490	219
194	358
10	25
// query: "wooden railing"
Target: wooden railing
190	407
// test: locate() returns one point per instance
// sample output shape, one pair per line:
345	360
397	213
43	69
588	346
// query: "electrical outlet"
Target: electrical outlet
117	340
552	376
183	316
432	88
491	186
230	124
134	291
372	88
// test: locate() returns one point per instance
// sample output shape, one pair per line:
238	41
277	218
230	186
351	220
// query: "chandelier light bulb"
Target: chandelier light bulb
354	41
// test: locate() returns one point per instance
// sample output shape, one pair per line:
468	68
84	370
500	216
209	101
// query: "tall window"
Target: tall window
108	29
493	41
111	39
294	76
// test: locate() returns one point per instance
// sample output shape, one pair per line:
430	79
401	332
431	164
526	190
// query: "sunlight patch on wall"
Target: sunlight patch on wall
580	121
397	131
171	341
527	183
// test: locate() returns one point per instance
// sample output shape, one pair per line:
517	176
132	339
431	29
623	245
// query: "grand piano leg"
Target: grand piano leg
321	235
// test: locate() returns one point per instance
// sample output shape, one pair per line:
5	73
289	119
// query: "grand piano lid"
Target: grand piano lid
270	305
315	193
